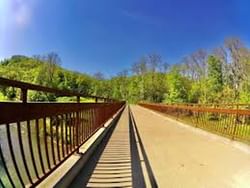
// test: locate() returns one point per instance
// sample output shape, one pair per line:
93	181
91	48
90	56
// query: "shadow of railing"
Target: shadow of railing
137	173
116	161
135	133
84	175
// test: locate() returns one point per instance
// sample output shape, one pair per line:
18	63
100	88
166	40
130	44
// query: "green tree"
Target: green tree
214	79
177	87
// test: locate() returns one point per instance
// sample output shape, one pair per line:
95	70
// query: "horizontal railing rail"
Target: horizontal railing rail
27	86
232	123
36	138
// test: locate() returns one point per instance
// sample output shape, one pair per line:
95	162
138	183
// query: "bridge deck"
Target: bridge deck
179	156
116	162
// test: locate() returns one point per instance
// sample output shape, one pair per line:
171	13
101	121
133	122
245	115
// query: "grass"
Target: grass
221	124
73	99
58	99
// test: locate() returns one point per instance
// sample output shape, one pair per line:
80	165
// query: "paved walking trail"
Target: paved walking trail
147	149
183	157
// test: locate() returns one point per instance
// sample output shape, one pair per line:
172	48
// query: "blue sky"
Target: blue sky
110	35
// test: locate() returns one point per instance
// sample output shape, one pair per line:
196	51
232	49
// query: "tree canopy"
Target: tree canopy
221	75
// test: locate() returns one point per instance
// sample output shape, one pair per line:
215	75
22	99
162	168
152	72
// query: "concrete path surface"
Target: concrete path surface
181	156
147	149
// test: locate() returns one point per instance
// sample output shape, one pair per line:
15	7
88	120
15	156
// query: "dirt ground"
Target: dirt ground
184	156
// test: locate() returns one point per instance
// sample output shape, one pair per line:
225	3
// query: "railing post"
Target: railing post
96	100
236	121
24	95
177	113
197	117
78	99
105	113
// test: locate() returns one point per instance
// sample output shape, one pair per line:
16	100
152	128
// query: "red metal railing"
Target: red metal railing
35	138
233	123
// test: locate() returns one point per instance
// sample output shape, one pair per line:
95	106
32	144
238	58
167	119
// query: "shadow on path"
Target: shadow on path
116	161
138	141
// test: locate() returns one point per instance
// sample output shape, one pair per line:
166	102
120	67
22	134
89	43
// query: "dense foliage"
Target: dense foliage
221	75
44	71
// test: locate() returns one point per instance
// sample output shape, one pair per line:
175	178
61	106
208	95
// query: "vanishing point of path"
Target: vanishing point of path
147	149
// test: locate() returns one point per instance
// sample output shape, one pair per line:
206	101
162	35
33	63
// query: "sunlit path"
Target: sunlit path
183	156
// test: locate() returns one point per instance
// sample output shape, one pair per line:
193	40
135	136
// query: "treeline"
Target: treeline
42	70
220	75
